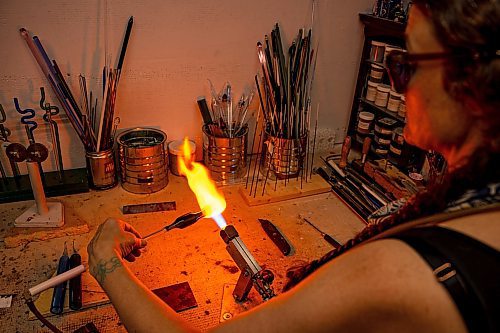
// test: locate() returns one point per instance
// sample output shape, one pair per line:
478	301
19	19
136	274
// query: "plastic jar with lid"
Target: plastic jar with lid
365	120
390	48
382	140
382	95
371	91
376	73
385	126
377	51
397	136
379	150
394	101
402	107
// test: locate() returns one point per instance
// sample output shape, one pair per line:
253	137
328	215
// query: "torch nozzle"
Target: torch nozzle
185	220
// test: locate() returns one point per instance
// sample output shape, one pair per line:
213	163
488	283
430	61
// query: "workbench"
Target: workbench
196	255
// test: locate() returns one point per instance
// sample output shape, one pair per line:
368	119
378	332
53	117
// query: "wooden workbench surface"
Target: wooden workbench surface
195	255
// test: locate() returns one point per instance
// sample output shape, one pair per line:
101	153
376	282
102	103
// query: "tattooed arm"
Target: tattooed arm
139	309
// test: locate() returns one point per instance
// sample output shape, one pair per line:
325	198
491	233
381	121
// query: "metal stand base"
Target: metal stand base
31	219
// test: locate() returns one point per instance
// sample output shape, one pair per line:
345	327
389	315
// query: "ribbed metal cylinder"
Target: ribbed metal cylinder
225	157
143	160
283	158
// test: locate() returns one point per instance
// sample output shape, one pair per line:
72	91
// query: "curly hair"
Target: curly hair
461	25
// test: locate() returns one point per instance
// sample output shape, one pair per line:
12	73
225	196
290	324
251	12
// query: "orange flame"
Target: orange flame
210	200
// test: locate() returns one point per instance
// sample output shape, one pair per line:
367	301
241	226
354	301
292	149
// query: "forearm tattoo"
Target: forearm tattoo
105	267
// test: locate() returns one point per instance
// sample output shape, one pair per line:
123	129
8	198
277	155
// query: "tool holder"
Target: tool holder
43	213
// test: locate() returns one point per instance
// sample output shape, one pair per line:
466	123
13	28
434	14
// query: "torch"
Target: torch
212	204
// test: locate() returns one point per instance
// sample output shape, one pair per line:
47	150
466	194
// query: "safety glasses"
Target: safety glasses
401	65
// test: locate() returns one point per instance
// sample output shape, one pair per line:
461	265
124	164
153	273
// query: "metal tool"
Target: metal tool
276	236
252	275
5	133
75	284
51	111
181	222
149	207
57	304
325	236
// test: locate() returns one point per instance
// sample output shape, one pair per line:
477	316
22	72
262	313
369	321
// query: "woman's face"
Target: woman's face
434	119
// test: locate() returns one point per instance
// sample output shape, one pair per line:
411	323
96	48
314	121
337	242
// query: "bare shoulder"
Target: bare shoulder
383	286
484	227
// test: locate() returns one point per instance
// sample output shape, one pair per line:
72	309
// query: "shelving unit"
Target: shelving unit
391	33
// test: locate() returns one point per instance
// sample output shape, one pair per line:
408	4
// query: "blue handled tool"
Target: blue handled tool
57	304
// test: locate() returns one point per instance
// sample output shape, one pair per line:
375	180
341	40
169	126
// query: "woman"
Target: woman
408	272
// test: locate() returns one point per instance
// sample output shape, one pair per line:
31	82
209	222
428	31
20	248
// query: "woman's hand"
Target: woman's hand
113	241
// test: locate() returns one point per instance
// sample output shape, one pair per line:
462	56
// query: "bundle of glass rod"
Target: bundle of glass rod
228	121
285	84
284	90
60	88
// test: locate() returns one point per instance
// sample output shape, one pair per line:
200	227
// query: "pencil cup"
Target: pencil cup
143	160
283	158
101	169
225	157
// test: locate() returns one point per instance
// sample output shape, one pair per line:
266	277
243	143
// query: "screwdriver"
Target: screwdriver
57	304
75	284
326	237
181	222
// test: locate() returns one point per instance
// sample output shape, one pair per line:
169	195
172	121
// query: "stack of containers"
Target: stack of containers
365	125
383	135
397	148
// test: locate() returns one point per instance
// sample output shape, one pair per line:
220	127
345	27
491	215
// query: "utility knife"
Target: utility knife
276	236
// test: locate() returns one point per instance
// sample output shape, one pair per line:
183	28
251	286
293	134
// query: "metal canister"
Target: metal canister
143	160
283	158
225	157
101	169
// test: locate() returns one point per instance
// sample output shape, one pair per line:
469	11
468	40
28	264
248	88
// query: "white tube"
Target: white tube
52	282
37	187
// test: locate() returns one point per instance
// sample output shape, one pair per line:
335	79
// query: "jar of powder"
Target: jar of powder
376	73
371	91
365	120
382	95
394	101
377	51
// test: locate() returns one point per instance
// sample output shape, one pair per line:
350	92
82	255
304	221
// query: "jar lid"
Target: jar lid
373	84
368	116
392	47
383	88
377	67
375	43
386	122
175	147
395	94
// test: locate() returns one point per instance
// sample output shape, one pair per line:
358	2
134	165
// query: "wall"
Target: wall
175	46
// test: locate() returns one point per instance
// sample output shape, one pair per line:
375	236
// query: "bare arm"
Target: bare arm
383	286
139	309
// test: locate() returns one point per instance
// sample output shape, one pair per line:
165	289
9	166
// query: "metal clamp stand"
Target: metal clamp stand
251	273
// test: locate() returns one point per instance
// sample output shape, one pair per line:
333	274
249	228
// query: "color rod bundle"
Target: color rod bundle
95	135
285	85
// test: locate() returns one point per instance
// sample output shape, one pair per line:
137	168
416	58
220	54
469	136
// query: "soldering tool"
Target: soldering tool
181	222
